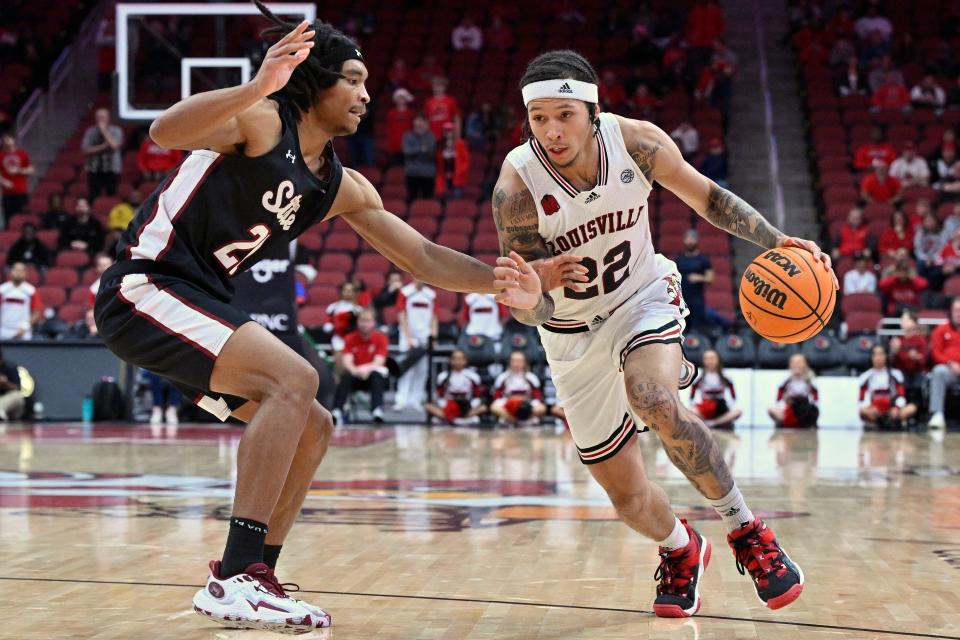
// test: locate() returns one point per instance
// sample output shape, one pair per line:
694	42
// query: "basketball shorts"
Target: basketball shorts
587	367
172	328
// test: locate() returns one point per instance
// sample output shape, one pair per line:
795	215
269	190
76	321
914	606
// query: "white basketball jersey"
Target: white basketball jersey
607	225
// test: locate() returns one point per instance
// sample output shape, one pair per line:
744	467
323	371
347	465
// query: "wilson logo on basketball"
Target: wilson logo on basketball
763	289
783	262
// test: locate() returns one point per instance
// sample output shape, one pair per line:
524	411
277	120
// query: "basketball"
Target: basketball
786	295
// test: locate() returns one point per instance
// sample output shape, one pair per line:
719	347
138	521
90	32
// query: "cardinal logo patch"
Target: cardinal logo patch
549	204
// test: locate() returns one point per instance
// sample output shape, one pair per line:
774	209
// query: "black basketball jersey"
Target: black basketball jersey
210	216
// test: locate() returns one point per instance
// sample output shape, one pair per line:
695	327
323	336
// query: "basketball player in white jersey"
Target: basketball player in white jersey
580	185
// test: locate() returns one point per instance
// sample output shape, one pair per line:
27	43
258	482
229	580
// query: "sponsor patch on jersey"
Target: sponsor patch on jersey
549	204
627	176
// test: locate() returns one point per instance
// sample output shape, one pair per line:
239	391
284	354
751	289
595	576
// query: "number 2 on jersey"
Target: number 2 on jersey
231	255
617	258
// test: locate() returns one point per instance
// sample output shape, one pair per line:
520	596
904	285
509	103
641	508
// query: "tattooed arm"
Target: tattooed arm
659	159
515	214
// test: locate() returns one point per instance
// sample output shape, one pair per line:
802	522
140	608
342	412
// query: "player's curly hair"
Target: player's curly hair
310	77
557	65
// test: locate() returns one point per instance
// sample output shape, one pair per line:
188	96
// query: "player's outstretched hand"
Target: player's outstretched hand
517	282
282	58
812	247
560	271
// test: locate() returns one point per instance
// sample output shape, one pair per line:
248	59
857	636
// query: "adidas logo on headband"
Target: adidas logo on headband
586	91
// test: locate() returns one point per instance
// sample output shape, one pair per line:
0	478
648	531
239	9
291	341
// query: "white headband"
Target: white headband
586	91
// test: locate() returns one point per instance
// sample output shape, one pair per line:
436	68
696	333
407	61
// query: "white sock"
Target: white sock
678	538
733	509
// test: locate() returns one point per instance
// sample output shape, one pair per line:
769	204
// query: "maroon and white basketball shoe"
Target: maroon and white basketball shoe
255	599
778	579
679	573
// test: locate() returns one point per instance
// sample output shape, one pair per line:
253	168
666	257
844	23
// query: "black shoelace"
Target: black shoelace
671	579
746	551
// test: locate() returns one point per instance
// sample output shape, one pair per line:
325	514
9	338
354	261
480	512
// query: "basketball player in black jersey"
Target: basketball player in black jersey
261	171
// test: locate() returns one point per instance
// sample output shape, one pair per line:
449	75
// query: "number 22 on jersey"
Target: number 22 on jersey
233	254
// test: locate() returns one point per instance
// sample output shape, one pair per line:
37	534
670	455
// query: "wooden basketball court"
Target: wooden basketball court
411	532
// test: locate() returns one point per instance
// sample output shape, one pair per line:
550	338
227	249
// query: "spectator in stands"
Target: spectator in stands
851	80
613	96
342	317
902	288
891	95
55	217
873	22
417	317
945	356
399	121
388	294
420	164
517	394
860	279
953	95
896	240
952	222
458	393
20	305
481	315
714	164
154	161
946	172
398	75
928	94
876	149
441	109
881	71
883	401
854	236
840	54
12	401
364	296
696	272
364	367
82	232
687	138
873	48
797	398
166	400
880	186
705	24
949	258
15	169
102	144
909	354
101	263
122	213
642	102
910	169
28	249
927	243
479	125
453	163
498	36
713	396
467	36
425	74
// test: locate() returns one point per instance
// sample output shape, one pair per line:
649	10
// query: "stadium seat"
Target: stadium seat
694	344
823	353
856	351
860	302
61	277
862	322
736	352
71	312
73	259
312	316
52	296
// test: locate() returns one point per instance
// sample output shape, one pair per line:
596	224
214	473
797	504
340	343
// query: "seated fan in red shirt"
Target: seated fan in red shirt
364	367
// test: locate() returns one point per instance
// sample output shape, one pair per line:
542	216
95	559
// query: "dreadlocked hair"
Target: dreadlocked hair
557	65
310	77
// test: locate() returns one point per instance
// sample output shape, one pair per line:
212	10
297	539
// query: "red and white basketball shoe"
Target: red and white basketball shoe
777	578
679	573
255	599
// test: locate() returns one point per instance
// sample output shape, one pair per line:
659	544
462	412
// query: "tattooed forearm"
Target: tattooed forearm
686	440
516	218
644	158
728	211
536	316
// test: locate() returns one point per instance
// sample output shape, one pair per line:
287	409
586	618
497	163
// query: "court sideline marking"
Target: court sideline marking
809	625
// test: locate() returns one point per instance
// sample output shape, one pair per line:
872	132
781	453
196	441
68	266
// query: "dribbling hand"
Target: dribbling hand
818	255
282	58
